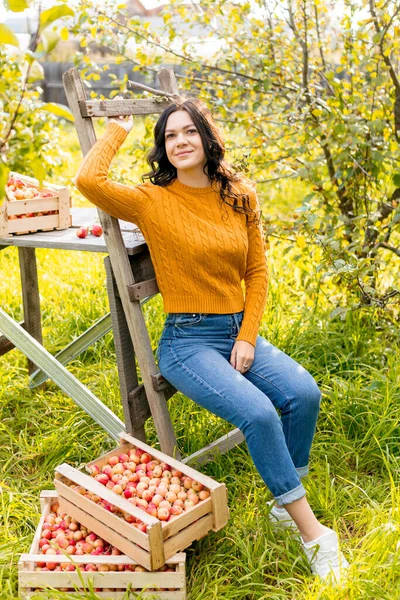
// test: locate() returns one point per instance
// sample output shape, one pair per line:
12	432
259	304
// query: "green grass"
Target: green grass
354	480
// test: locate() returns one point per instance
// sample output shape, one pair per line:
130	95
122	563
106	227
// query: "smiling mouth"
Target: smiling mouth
184	153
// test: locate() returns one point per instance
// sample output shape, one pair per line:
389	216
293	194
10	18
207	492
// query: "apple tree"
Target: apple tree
310	92
29	127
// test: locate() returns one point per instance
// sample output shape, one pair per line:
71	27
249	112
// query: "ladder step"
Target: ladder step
220	446
142	290
137	400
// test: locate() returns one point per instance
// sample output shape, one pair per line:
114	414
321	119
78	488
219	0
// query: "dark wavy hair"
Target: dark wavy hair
223	178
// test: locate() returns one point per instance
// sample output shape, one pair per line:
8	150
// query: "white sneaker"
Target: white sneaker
325	557
279	517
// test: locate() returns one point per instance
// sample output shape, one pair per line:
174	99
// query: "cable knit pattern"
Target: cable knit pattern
201	248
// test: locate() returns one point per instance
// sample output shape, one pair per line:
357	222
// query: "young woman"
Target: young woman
201	223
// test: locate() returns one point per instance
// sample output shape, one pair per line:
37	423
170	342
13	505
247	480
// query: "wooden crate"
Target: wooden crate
162	540
59	202
173	583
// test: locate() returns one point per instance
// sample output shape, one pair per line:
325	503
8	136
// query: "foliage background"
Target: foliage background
310	93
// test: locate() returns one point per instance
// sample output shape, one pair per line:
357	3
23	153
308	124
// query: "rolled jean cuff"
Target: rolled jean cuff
288	497
302	471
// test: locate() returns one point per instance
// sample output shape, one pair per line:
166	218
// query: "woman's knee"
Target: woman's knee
262	417
305	396
311	394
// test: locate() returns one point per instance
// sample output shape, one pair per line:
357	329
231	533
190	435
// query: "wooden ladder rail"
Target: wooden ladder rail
129	290
126	288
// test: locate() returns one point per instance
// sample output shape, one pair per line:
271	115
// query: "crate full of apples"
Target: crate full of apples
29	207
67	556
145	503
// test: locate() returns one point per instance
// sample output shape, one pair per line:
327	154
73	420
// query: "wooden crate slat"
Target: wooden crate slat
33	223
220	507
100	513
103	460
170	528
186	536
120	595
3	220
21	207
113	559
108	534
31	181
108	579
64	209
89	483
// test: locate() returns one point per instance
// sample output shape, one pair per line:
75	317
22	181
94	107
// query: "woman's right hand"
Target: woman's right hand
124	121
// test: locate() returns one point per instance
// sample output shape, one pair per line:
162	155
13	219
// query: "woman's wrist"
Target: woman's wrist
112	120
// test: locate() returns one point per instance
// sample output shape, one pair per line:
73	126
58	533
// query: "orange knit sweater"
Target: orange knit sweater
200	247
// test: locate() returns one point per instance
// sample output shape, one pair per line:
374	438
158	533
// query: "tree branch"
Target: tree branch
388	247
34	44
183	57
382	31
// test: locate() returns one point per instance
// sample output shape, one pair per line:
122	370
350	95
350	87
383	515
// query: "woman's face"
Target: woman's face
183	143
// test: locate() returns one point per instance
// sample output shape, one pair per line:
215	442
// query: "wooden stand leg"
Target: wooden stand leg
30	296
125	353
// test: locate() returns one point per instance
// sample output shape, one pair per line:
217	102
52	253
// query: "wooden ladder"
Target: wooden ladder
129	280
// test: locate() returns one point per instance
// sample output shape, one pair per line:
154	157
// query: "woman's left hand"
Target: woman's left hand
242	356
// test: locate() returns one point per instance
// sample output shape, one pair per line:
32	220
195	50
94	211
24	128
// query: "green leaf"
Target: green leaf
50	15
16	5
3	180
38	169
307	198
50	40
377	37
37	72
340	311
59	110
396	179
7	36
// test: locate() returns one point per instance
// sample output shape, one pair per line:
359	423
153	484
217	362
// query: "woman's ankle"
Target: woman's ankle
312	533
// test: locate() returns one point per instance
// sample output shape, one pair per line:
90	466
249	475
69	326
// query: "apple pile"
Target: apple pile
63	535
16	189
149	484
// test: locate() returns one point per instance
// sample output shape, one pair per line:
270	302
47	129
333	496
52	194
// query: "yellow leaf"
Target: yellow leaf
64	34
301	241
7	36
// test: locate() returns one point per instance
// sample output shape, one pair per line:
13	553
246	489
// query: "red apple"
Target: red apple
82	232
102	478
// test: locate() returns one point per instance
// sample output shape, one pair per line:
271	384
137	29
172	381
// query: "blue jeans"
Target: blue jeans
193	355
